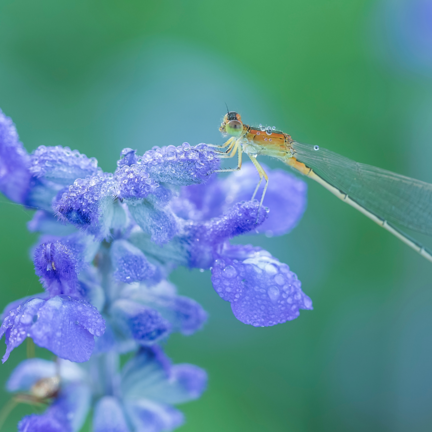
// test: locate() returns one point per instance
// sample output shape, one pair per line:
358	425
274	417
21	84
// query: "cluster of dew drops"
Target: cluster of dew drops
268	130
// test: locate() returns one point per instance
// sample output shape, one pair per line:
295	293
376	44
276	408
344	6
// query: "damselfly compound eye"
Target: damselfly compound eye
234	128
316	148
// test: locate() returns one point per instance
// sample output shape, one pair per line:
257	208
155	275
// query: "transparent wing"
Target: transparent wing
393	197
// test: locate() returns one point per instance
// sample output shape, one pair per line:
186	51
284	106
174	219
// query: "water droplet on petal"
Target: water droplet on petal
26	319
230	272
270	269
279	279
273	292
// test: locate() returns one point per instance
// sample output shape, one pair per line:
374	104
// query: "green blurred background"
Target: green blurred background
351	76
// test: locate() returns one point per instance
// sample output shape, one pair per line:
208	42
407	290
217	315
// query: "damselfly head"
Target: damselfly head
232	124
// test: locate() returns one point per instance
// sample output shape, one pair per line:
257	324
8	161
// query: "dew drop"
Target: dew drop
279	279
26	319
270	269
273	292
316	148
230	272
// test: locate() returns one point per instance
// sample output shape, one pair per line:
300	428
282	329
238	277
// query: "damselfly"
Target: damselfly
387	198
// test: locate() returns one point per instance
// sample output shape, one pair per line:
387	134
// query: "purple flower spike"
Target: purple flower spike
57	267
168	384
202	201
130	263
146	415
67	328
89	204
143	324
127	157
28	373
240	219
108	244
109	416
17	324
263	292
48	422
205	236
58	262
285	197
187	382
134	182
41	194
31	371
47	223
181	166
160	224
66	414
61	165
14	162
185	315
228	279
61	324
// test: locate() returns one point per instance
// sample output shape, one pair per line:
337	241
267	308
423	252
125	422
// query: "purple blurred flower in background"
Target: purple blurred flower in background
408	30
108	243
